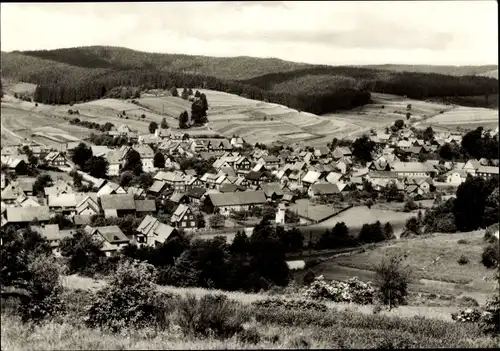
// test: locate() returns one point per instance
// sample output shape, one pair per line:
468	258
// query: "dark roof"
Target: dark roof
229	188
112	234
145	205
238	198
118	202
272	188
196	192
254	175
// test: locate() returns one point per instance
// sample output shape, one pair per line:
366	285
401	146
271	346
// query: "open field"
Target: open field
433	260
464	118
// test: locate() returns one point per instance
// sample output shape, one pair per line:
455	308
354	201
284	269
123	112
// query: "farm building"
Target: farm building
412	169
237	201
272	191
111	236
55	159
319	189
26	215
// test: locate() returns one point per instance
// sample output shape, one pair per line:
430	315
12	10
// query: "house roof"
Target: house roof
238	198
410	167
145	205
196	192
488	170
229	188
27	214
82	219
11	193
311	177
157	186
272	188
135	191
333	177
112	234
190	172
118	202
151	227
254	175
50	232
25	183
177	197
179	213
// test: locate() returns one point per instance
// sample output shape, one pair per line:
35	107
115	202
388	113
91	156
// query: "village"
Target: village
301	186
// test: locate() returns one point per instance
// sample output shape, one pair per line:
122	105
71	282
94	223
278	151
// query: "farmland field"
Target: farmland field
464	118
433	260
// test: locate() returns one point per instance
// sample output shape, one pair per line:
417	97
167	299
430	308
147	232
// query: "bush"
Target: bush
249	336
410	205
463	260
469	315
308	278
44	288
301	305
490	255
490	321
463	242
210	315
352	290
129	301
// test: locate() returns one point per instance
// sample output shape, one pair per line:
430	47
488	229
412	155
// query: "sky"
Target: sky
323	32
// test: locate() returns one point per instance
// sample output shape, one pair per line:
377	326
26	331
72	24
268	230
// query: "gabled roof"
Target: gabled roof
327	188
179	213
27	214
157	186
229	188
238	198
333	177
196	192
147	205
135	191
272	188
50	232
311	177
118	202
112	234
254	175
416	167
177	197
151	227
11	193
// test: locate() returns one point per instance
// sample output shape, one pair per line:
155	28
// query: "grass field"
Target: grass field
464	118
433	260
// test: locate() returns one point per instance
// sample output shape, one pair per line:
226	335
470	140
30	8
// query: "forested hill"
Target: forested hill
232	68
448	70
87	73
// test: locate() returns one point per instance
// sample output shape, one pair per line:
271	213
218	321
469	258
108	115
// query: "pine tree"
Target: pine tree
174	92
164	124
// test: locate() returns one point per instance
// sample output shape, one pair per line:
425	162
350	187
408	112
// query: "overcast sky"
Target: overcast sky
372	32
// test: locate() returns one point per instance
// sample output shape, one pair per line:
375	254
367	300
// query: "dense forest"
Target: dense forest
83	74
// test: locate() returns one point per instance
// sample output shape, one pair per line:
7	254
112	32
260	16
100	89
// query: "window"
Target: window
183	224
193	224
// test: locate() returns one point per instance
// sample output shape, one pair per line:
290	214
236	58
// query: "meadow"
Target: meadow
434	263
464	118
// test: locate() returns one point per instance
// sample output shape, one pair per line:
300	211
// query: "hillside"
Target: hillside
491	74
448	70
88	73
241	67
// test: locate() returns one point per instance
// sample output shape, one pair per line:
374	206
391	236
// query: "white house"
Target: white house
280	214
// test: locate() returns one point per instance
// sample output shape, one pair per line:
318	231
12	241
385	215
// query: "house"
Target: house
243	163
455	178
147	155
26	215
87	207
10	194
124	130
237	201
25	184
183	217
117	205
487	171
152	232
112	238
55	159
237	142
175	180
230	188
340	152
179	198
59	187
52	234
196	194
270	161
272	191
255	178
326	189
321	152
115	162
27	201
334	177
67	203
471	167
16	164
159	189
412	169
111	188
310	178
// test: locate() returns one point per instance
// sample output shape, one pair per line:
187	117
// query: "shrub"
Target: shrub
410	205
490	321
250	336
463	260
130	300
490	255
352	290
210	315
301	305
469	315
44	288
463	242
393	279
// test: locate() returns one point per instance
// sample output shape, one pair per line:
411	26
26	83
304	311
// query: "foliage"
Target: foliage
40	183
373	233
463	260
478	145
336	238
81	154
133	162
131	299
410	205
392	281
164	124
159	160
183	120
308	278
211	315
153	126
399	123
97	167
216	221
362	149
201	166
301	305
491	255
83	252
351	290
